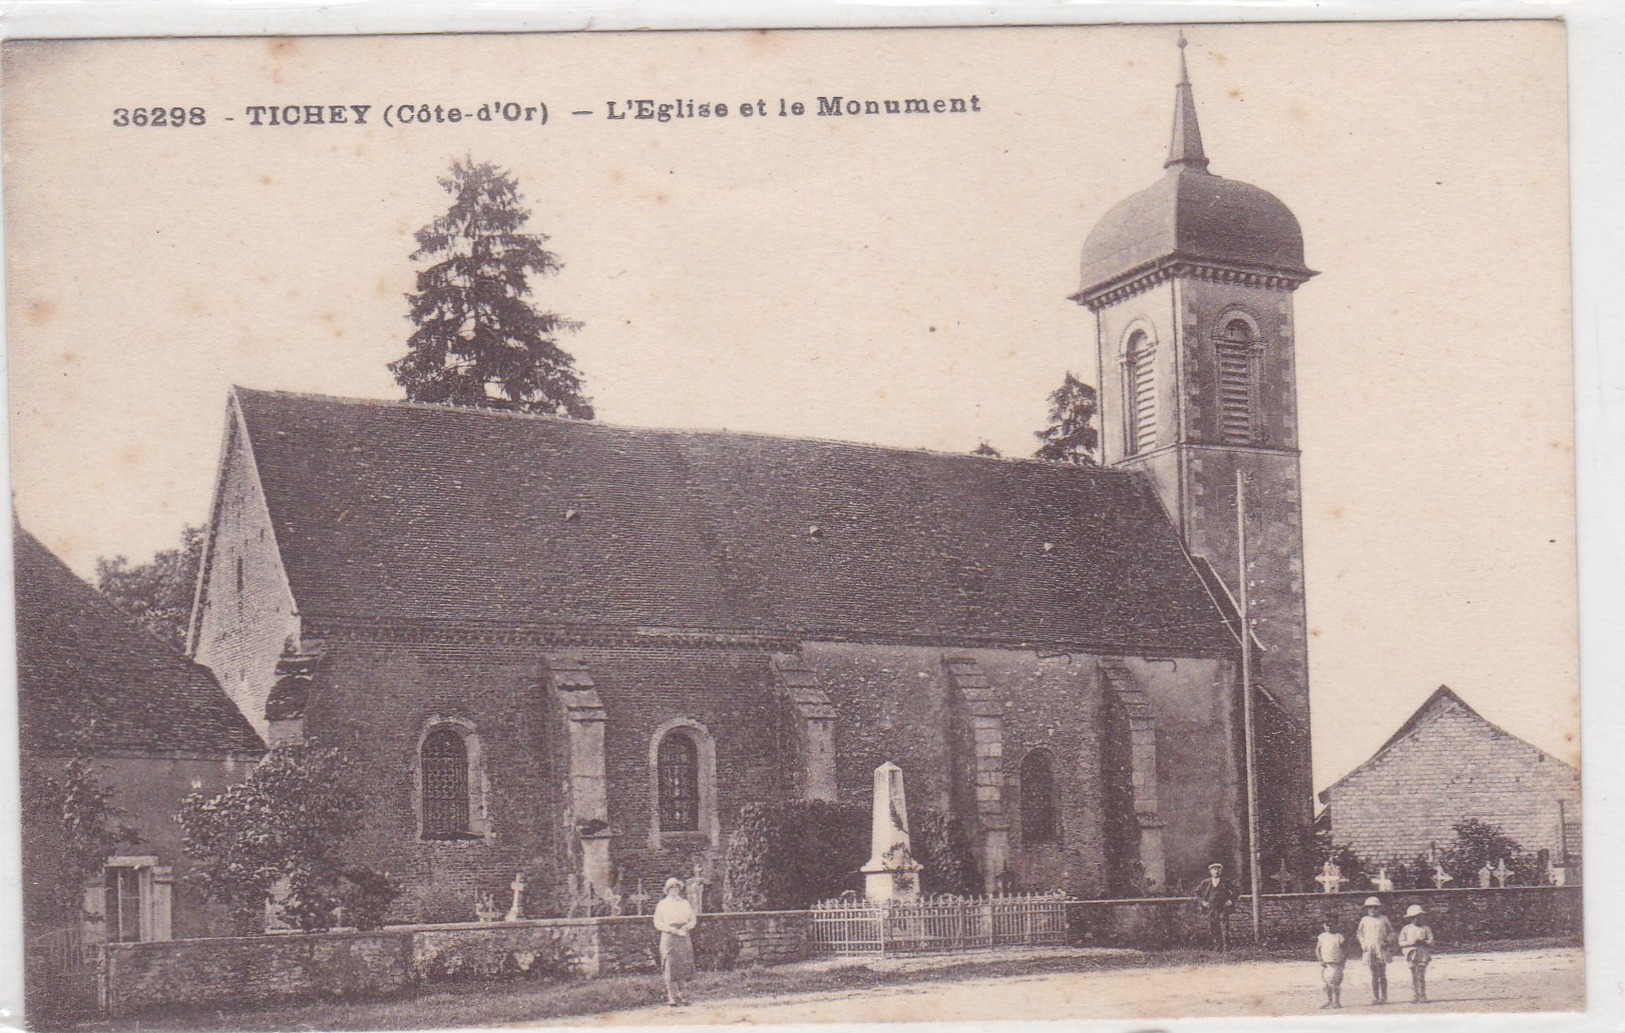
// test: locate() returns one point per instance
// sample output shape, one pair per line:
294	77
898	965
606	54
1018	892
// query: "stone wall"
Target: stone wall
248	611
308	966
376	693
252	970
377	699
179	973
1457	917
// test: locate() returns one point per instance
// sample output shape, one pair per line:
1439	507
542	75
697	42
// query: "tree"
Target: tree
283	826
157	593
1071	436
479	340
985	449
74	854
1479	843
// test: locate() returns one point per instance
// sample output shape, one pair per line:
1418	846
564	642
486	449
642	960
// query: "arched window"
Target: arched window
679	778
682	784
445	785
1139	394
1236	353
1039	819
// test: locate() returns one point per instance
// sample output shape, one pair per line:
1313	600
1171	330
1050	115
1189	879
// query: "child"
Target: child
1375	933
1416	940
1332	952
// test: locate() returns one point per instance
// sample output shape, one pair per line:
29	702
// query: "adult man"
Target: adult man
1216	899
1374	934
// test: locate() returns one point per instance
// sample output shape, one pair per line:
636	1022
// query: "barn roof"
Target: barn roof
399	511
1443	700
90	677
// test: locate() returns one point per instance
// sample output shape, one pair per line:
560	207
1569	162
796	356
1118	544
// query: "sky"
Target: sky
897	280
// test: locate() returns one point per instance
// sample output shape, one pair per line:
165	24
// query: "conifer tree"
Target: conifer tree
480	341
1071	436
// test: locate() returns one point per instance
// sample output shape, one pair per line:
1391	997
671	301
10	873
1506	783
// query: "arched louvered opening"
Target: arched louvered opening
1237	358
1139	394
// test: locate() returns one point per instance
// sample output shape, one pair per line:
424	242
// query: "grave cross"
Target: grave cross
1501	873
639	898
1331	877
517	911
1440	876
1382	883
1284	880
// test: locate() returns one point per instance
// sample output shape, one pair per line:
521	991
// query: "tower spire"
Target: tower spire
1185	148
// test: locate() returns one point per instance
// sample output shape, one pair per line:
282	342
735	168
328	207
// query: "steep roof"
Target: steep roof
1191	214
398	511
1441	701
87	675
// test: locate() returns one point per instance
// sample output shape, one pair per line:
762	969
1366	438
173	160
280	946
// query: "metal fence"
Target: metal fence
59	976
854	926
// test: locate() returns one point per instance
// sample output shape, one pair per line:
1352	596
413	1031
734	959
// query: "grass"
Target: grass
486	1003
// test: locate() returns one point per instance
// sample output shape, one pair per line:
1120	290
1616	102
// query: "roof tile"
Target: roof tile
400	511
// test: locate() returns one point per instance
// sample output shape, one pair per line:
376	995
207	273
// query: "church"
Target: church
572	649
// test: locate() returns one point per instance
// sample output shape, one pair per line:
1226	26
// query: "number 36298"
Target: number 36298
174	117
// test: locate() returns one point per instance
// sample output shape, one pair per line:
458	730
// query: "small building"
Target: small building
93	683
1445	764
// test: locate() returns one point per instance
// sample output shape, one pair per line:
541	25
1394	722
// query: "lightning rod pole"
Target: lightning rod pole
1253	870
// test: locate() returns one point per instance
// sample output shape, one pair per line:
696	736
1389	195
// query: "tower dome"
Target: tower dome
1192	216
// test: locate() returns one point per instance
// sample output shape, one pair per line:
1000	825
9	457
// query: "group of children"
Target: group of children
1375	939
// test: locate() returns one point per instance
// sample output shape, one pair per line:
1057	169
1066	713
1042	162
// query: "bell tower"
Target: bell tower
1191	283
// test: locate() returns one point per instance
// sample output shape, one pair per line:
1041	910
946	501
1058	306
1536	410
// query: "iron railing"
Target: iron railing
944	923
59	975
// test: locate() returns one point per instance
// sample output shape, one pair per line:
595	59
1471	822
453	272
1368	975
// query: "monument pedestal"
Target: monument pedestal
892	874
892	885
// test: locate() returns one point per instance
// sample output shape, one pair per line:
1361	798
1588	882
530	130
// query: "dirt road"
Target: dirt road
1535	980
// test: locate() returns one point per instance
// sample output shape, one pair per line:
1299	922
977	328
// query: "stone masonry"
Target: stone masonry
1445	764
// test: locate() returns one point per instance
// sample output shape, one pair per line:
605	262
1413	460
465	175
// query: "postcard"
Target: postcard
794	526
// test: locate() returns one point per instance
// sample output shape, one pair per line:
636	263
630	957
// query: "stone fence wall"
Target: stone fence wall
1456	916
135	977
303	966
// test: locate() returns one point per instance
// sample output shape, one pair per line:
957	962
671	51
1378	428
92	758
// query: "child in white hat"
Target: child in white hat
1375	934
1416	940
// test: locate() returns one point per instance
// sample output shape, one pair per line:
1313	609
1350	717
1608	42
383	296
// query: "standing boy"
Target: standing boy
1331	950
1374	934
1416	940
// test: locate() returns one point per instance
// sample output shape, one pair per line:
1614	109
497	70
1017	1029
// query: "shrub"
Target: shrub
785	856
287	820
943	846
1478	843
364	896
788	855
746	860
